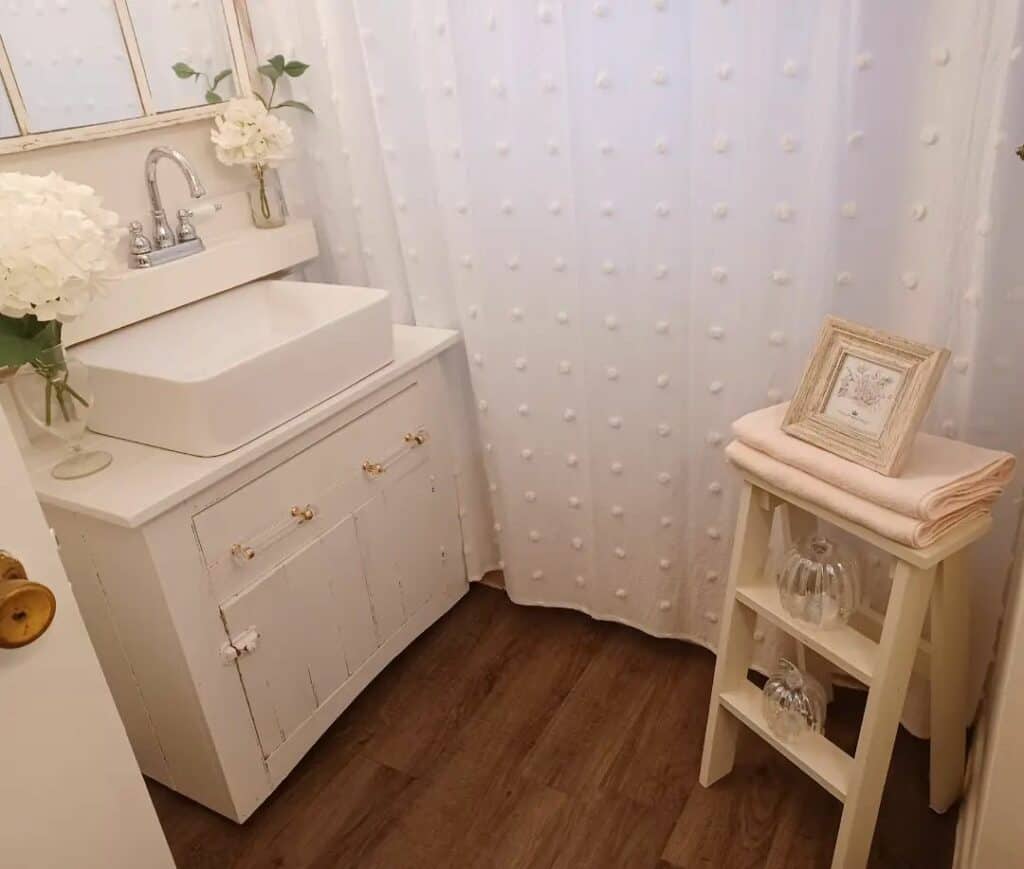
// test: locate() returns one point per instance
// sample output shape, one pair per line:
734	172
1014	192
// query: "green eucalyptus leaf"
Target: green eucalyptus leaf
219	77
268	71
294	104
277	61
213	97
183	70
295	68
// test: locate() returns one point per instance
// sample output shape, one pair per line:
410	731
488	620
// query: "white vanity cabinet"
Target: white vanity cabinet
239	603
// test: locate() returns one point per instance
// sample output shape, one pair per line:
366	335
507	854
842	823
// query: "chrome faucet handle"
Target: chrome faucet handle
137	241
186	229
139	247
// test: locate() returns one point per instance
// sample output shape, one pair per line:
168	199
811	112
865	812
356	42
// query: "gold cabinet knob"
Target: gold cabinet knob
26	608
245	553
373	469
303	514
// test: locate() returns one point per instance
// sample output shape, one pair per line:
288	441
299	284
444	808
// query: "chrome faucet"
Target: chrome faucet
162	235
166	244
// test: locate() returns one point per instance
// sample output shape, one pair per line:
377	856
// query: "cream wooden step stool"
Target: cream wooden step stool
884	662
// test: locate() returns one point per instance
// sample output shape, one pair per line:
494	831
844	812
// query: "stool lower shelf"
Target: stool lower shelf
822	760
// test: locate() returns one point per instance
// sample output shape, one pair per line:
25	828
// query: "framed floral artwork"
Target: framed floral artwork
864	394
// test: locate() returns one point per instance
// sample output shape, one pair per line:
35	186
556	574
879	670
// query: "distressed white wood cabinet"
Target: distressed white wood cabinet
238	604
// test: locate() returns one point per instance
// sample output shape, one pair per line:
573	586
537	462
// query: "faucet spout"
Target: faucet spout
162	234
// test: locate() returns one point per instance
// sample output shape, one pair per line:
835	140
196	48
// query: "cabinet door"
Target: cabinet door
315	626
410	540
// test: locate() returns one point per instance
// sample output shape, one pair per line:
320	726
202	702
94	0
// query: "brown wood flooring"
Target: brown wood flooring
509	736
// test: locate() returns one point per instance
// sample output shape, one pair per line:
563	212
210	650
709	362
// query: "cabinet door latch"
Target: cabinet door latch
240	644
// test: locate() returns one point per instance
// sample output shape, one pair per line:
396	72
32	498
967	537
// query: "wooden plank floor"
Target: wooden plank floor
510	736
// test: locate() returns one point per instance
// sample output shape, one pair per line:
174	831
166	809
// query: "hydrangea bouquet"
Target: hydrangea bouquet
56	252
246	133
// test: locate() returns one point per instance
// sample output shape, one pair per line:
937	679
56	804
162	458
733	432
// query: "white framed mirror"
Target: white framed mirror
82	69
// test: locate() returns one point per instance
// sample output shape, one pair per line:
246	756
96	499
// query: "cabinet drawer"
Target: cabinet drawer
258	525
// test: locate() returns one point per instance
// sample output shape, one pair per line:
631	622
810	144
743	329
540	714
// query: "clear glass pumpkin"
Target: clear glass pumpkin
794	703
819	582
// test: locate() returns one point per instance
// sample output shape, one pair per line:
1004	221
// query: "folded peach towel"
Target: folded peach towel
941	477
911	531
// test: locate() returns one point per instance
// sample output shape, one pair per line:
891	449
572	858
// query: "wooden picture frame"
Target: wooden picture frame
864	394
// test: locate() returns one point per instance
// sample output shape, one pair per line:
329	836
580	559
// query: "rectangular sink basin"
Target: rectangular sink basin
216	374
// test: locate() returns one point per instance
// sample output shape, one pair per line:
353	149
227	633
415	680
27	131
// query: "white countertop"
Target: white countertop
143	481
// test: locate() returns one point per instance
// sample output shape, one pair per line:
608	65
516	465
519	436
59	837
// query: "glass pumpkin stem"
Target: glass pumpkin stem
793	677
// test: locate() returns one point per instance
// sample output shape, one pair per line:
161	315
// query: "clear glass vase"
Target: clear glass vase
53	392
819	582
266	199
794	703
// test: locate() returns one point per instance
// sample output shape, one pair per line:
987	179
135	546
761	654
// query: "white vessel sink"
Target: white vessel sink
209	377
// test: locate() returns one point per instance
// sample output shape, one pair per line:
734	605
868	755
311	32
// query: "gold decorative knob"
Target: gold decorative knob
416	439
247	553
303	514
26	608
373	469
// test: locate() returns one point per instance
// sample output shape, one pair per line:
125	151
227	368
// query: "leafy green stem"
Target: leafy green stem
272	70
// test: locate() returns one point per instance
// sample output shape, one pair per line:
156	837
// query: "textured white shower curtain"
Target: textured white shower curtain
638	213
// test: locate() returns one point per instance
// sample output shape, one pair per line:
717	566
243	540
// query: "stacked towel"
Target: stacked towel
944	483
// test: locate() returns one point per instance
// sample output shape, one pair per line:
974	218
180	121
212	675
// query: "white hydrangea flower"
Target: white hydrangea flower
246	134
56	246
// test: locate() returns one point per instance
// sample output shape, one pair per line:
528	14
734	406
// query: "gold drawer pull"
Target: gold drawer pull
303	514
245	553
373	469
411	439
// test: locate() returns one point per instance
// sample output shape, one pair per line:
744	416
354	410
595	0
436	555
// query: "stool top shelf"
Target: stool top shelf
927	557
843	646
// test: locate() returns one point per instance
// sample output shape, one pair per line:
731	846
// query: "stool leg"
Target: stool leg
736	640
897	648
950	617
